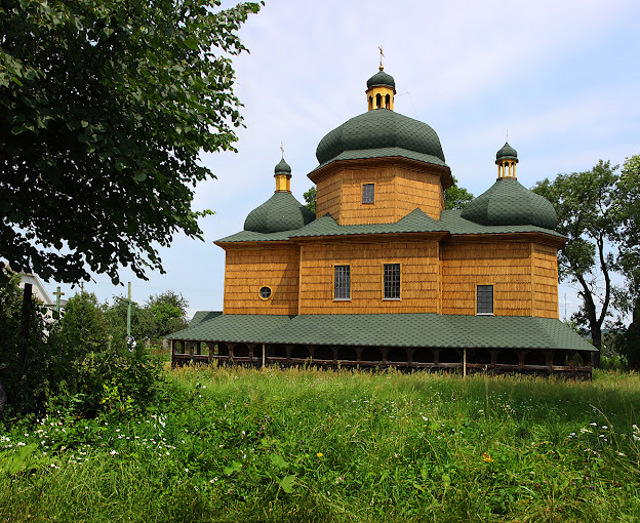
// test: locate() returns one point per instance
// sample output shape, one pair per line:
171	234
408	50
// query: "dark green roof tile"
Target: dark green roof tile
507	202
281	212
389	330
507	153
381	133
416	221
381	78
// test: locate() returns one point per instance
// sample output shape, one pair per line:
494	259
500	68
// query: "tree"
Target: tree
456	197
311	197
627	296
116	316
589	216
105	106
168	312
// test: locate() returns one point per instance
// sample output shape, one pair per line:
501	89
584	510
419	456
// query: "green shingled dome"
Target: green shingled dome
506	153
282	168
507	202
381	78
281	212
366	135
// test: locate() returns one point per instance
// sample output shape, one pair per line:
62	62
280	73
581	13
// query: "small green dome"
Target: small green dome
381	78
507	202
506	153
382	133
281	212
282	168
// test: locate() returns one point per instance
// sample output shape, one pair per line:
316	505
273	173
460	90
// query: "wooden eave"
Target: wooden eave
252	243
515	237
372	238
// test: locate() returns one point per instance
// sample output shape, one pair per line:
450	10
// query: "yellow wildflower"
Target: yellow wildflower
487	458
319	454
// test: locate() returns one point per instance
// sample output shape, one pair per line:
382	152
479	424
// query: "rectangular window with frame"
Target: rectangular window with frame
342	282
368	192
391	281
484	300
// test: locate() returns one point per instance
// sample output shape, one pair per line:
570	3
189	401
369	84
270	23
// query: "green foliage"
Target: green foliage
168	312
116	315
70	366
456	197
311	197
24	351
589	215
232	445
105	107
161	315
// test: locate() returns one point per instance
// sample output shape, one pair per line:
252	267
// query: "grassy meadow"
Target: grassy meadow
245	445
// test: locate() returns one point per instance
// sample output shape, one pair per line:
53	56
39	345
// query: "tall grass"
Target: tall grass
236	444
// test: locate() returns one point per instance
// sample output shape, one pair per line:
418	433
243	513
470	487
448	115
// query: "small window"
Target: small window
265	293
342	282
485	299
391	281
368	192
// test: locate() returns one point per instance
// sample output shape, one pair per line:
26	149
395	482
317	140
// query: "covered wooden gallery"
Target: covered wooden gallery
383	275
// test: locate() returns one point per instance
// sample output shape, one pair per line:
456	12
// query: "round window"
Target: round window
265	293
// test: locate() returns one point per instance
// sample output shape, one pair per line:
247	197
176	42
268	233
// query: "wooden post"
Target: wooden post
264	356
464	362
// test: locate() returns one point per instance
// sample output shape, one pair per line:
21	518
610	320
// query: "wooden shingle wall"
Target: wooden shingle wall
248	268
505	265
419	277
328	196
544	260
418	189
399	189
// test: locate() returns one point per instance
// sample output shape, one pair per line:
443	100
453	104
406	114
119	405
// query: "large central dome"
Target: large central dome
381	133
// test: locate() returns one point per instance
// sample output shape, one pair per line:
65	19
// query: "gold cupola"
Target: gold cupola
506	160
381	88
283	176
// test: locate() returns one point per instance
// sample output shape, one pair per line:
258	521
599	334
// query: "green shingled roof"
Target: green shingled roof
378	134
389	330
281	212
416	221
381	78
506	153
507	202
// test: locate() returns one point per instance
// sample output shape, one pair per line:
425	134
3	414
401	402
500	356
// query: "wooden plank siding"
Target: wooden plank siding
418	189
399	189
506	266
248	269
544	263
419	287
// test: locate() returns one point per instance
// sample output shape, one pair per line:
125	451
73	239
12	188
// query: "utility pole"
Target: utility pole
129	314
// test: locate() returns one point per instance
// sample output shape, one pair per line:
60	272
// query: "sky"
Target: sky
561	79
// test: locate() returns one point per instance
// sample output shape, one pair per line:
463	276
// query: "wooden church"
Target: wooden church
383	275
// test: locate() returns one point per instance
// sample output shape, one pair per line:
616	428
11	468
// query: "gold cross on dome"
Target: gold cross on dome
282	149
381	57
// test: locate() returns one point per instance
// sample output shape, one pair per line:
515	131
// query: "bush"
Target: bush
73	365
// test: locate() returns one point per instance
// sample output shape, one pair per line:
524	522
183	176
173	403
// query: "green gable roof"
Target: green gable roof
389	330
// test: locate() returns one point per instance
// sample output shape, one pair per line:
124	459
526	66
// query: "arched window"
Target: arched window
387	102
378	101
370	103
